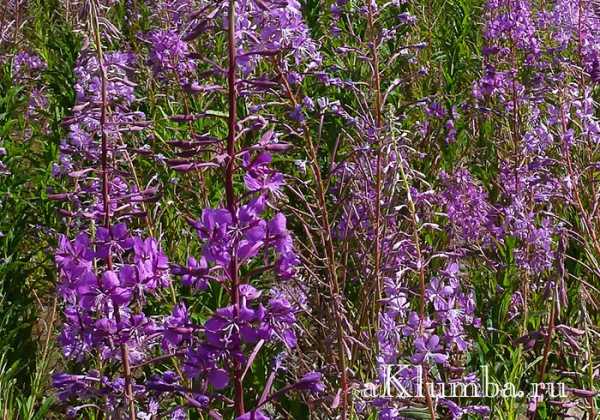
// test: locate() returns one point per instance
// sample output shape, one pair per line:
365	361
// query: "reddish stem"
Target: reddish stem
422	287
106	207
378	121
548	341
230	194
327	240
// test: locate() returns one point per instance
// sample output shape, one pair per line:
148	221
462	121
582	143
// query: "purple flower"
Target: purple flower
469	212
194	275
253	415
169	57
27	66
312	382
427	350
176	327
218	378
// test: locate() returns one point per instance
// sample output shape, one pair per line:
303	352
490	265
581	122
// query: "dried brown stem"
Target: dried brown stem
327	238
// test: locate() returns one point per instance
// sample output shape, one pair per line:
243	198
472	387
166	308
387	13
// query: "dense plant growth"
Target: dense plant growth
260	209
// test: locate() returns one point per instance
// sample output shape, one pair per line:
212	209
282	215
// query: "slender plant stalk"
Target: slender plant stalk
230	194
419	255
368	288
106	200
17	21
329	248
591	373
378	122
548	341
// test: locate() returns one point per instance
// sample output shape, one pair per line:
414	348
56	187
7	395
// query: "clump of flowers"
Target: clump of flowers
27	66
170	57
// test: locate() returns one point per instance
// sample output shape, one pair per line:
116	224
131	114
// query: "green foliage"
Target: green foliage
27	218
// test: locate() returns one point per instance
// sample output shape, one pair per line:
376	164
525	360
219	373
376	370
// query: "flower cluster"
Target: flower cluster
27	66
274	29
170	57
469	212
93	293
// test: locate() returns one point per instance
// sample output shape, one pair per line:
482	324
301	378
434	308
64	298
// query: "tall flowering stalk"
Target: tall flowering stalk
229	192
106	180
238	243
233	329
105	271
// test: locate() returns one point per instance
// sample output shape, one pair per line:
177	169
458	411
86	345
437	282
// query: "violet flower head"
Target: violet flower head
170	57
27	66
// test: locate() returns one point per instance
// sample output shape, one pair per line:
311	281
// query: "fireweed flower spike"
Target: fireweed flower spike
106	273
234	236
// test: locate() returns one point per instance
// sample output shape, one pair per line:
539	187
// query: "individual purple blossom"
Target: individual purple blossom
177	327
259	176
516	305
38	102
435	110
194	274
